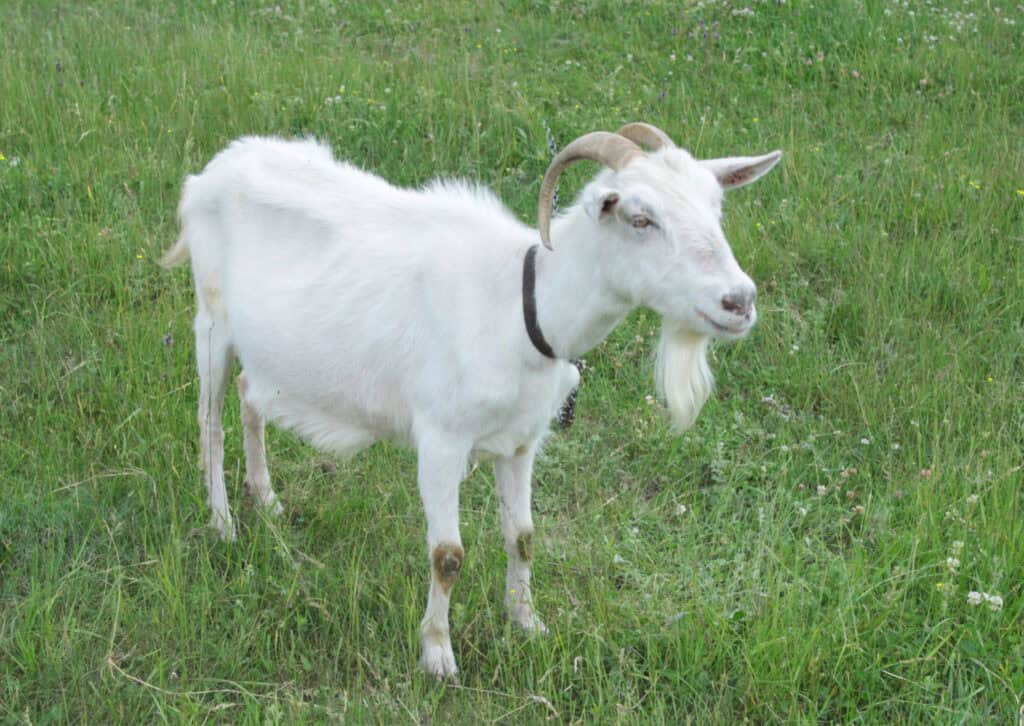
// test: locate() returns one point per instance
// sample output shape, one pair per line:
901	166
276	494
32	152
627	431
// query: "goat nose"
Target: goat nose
739	302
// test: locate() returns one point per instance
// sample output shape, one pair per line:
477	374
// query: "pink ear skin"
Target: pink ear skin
737	171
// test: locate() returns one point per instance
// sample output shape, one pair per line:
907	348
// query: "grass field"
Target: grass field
805	553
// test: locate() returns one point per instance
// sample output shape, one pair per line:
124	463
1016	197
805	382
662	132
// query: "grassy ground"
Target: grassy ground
805	553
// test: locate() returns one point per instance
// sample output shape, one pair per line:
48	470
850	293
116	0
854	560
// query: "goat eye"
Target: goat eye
641	221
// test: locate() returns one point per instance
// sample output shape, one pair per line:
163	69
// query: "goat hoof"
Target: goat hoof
272	506
438	661
224	526
526	619
266	500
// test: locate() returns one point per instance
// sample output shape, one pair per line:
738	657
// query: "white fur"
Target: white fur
360	311
682	374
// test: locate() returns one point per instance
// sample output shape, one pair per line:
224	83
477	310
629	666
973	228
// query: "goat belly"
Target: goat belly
312	386
333	423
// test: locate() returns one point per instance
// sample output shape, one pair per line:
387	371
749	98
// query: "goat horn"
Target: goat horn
646	135
612	150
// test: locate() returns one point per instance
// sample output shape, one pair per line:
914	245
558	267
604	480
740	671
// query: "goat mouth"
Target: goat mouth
719	327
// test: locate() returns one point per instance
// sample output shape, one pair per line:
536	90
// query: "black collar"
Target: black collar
530	304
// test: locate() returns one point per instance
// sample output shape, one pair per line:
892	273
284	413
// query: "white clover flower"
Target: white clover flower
822	490
974	598
957	547
973	499
995	603
952	563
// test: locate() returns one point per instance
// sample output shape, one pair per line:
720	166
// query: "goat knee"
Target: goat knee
524	546
447	560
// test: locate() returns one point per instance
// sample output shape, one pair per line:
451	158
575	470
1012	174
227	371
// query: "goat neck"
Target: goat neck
576	305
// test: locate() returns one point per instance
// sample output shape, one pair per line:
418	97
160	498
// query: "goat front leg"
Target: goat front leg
441	468
512	475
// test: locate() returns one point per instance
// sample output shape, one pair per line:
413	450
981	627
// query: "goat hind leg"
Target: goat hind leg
257	476
213	359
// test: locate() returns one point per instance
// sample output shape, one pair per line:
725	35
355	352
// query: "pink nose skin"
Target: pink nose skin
740	302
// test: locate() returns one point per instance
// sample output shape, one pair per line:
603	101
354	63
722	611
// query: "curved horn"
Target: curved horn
612	150
646	135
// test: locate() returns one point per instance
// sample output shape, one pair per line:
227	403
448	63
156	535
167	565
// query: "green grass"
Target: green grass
786	559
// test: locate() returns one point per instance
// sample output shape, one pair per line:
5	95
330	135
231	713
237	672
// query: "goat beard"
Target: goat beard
681	373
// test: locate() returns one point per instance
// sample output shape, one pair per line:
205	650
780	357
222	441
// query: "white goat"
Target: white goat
360	311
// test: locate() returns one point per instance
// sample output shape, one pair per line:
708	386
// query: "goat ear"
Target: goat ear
736	171
602	203
608	202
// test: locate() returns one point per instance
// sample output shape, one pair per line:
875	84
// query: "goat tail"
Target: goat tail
176	255
180	251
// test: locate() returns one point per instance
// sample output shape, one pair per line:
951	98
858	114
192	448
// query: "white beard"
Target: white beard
681	373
